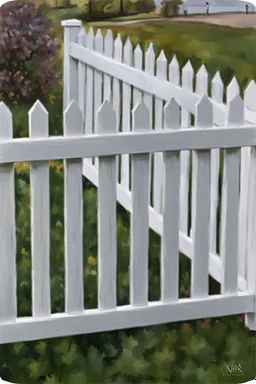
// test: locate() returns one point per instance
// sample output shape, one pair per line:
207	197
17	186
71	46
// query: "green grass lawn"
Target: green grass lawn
229	50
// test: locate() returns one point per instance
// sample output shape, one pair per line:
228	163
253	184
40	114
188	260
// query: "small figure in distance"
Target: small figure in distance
207	8
246	9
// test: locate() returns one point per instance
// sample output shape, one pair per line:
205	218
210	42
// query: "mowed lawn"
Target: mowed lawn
230	50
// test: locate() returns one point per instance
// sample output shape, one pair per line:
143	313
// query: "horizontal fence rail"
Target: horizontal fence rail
140	312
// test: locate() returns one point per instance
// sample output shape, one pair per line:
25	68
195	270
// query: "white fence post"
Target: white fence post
126	114
8	300
140	216
250	318
217	95
40	217
70	71
82	75
161	73
201	211
201	89
107	246
73	203
230	204
187	84
171	198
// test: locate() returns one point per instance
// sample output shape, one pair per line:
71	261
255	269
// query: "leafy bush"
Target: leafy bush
191	352
27	52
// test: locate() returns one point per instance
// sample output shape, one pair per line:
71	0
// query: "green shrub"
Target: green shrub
191	352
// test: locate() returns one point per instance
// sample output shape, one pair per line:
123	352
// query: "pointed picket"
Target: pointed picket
82	74
161	73
249	102
108	51
202	81
217	88
138	59
73	203
89	97
98	78
201	89
230	237
107	215
187	84
217	92
233	89
118	56
171	203
150	70
126	114
148	100
40	217
174	71
8	300
140	215
250	318
201	212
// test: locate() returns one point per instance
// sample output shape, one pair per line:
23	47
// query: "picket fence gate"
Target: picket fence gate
96	143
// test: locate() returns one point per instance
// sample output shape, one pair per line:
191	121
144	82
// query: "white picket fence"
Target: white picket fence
98	69
106	145
93	130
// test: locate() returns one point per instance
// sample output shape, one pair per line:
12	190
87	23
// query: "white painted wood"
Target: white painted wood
98	79
171	196
73	215
201	213
89	107
133	142
174	71
107	216
230	205
249	102
8	300
108	52
249	96
118	56
127	316
233	89
187	84
250	318
156	224
126	112
201	89
148	84
40	217
82	75
137	63
139	219
148	100
217	91
70	69
116	96
150	71
161	73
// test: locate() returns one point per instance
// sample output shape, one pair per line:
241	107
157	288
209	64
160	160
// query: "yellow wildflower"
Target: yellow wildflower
92	261
52	99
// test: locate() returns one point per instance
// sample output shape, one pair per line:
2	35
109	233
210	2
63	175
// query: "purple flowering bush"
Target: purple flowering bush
27	53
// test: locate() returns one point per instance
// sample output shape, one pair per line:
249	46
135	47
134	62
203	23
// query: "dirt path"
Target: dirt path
229	20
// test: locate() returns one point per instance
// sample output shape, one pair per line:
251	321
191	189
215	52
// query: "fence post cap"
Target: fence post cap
71	23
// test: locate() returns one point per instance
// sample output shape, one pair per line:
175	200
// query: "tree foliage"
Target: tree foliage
27	52
170	8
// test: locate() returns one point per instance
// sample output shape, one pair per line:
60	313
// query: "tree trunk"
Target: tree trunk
122	7
90	9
